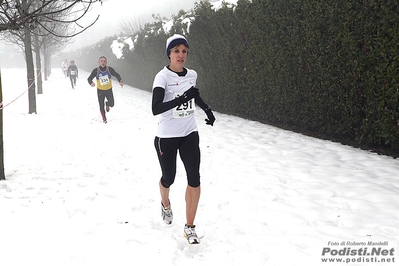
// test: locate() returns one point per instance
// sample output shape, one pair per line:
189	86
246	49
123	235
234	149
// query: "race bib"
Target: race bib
104	80
185	109
73	72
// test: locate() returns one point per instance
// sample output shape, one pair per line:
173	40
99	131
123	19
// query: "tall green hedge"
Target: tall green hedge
325	67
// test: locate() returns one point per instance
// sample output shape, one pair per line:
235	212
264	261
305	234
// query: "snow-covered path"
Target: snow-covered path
80	192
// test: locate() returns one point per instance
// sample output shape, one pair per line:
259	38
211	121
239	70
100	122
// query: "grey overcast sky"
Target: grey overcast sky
114	12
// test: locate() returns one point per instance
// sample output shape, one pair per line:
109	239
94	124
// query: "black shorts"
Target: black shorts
189	151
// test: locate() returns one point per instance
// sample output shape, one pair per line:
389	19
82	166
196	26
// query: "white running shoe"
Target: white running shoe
190	234
167	214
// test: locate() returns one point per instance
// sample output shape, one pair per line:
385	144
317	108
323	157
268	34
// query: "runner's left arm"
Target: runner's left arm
115	74
208	111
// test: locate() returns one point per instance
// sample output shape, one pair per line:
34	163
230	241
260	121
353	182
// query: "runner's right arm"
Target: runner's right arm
158	106
92	76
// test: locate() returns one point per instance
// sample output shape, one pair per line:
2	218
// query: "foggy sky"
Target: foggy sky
114	12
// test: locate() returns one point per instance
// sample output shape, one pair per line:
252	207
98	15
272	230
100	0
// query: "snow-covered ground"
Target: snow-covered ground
80	192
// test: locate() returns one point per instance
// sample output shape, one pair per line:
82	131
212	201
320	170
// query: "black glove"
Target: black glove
189	94
211	118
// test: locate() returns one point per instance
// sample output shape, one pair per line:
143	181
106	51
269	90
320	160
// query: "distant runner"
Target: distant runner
64	66
73	73
103	74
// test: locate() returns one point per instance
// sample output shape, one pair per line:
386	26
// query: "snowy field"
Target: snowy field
80	192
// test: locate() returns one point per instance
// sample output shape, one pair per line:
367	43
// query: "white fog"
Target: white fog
112	14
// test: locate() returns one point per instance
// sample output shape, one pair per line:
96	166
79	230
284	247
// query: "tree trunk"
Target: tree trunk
29	60
45	62
31	71
38	66
2	175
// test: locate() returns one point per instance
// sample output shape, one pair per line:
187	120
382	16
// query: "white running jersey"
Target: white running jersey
179	121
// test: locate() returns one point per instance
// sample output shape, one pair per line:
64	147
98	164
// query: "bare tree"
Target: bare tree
50	44
39	17
130	27
2	175
15	14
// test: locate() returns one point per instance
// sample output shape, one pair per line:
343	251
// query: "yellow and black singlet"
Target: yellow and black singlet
104	81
